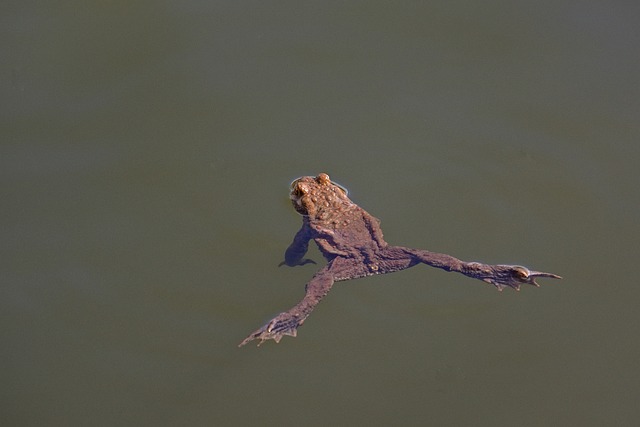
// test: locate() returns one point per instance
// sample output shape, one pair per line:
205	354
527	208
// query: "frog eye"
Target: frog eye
294	183
299	189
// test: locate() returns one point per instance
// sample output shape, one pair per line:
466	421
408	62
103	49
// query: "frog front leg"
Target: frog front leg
294	255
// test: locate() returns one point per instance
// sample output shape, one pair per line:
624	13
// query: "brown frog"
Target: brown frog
351	241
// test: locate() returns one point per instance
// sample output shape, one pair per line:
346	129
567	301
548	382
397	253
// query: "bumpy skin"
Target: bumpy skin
351	241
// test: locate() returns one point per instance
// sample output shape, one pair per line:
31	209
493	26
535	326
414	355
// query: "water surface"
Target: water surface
146	155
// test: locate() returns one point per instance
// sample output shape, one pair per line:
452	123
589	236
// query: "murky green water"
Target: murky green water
146	155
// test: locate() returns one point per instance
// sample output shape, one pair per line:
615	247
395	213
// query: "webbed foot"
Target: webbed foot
302	262
502	276
281	325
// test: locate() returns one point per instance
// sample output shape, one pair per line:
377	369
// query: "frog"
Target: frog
351	241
